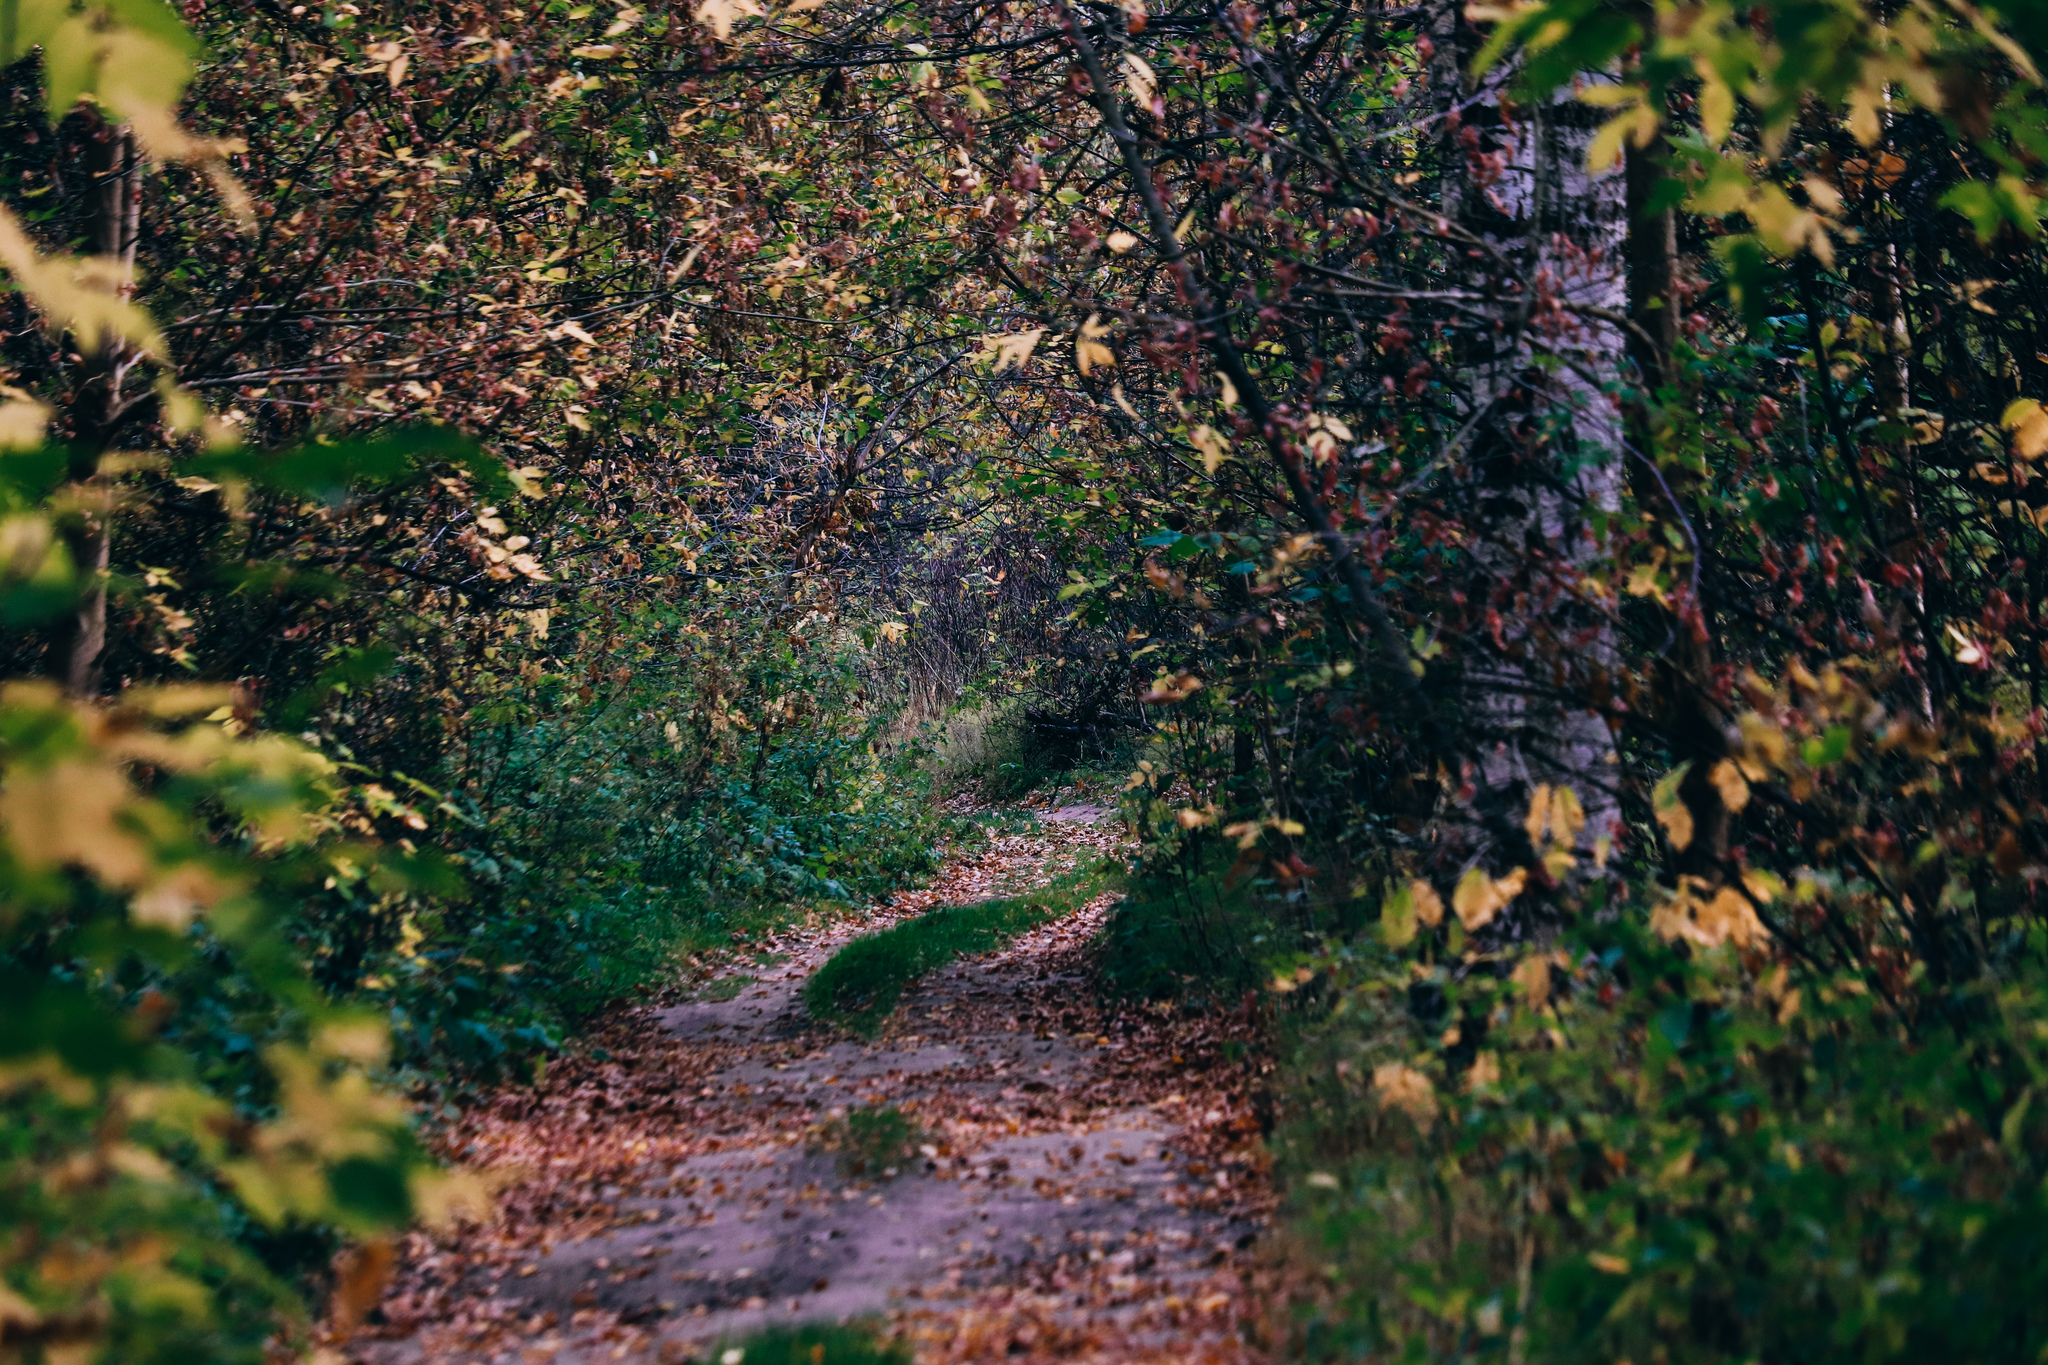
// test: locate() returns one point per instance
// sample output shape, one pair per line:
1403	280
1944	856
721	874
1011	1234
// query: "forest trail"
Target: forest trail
1088	1184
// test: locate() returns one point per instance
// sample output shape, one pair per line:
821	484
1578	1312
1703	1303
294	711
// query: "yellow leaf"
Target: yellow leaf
1088	348
1215	447
1325	435
1012	351
2027	420
718	15
1642	578
1672	813
1479	897
1612	1265
1532	977
1864	124
1567	817
1246	832
22	422
1717	106
1762	886
1429	906
1403	1087
1139	78
72	813
1607	94
1728	780
1397	919
1635	125
1726	917
1539	813
79	294
1821	194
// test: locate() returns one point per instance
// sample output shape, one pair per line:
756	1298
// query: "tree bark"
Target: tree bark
1549	447
115	164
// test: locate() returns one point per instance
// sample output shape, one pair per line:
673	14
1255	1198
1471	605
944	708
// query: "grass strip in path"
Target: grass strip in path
815	1344
861	984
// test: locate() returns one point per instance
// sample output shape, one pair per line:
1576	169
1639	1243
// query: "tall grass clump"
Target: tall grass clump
862	982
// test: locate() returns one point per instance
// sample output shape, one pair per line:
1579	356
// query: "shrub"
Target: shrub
1623	1148
606	839
1194	925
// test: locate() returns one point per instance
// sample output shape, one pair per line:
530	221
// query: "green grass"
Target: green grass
1002	820
864	980
814	1344
869	1141
723	988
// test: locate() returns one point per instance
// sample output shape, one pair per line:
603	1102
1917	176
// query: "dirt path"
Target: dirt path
1088	1185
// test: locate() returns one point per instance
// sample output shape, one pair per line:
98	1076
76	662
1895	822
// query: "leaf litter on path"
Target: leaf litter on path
1088	1186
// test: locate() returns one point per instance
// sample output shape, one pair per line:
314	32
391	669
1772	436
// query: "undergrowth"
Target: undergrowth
1190	927
862	983
605	841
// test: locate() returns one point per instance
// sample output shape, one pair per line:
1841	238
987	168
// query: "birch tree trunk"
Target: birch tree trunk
115	163
1547	457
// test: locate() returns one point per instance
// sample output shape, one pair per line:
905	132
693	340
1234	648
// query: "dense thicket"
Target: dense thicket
497	499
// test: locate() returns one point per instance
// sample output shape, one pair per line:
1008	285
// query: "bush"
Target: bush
1628	1149
605	839
995	751
1193	925
189	1127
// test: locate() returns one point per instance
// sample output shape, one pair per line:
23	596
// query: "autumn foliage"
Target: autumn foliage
1546	499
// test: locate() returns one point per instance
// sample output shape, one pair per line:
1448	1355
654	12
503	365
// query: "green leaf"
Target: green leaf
27	24
1831	747
1752	277
1397	918
370	1192
329	471
1998	204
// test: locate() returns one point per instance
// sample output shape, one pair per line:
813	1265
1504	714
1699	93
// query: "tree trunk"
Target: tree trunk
115	163
1548	446
1685	708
